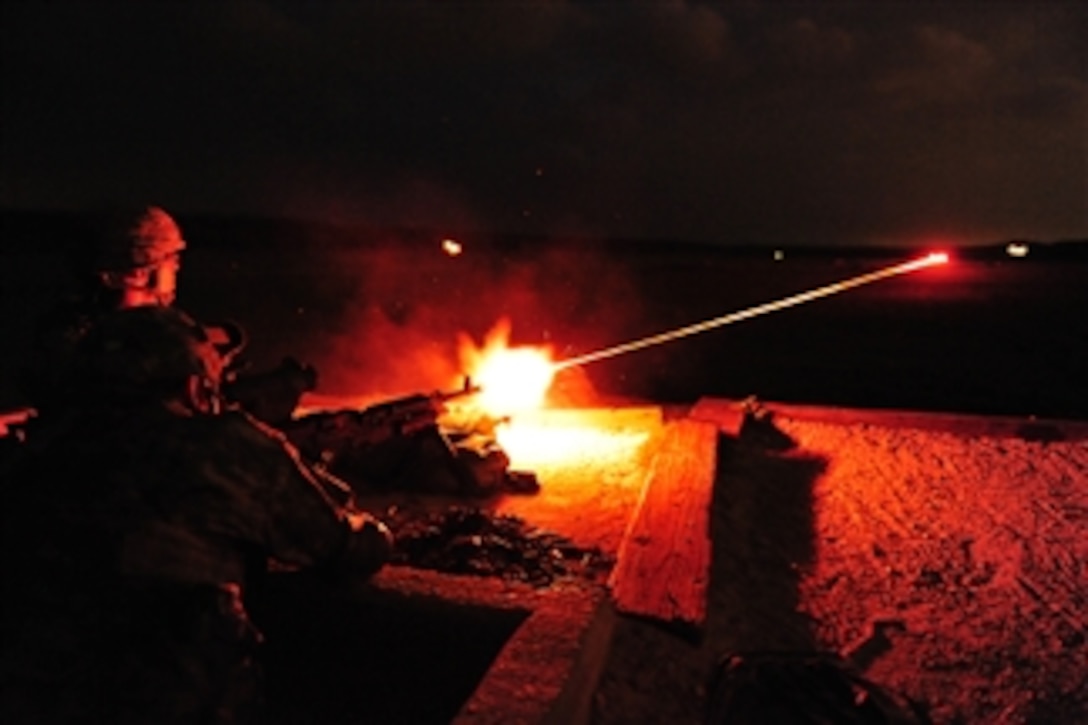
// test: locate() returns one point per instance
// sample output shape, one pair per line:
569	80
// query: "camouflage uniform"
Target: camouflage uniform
130	543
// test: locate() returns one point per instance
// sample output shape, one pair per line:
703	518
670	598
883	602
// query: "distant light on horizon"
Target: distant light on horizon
1017	249
779	255
451	247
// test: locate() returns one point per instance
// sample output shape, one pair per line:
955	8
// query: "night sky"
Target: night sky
743	122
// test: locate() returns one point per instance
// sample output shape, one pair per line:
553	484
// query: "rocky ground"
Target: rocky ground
947	566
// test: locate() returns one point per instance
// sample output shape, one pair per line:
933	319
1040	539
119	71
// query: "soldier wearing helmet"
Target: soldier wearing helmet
133	540
137	257
134	259
130	260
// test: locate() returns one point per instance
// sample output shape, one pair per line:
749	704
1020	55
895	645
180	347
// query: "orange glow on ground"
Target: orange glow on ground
532	445
591	463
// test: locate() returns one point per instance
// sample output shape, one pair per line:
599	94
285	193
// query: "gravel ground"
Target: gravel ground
947	566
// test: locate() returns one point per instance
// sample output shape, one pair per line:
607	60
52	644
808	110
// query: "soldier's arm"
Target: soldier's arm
288	511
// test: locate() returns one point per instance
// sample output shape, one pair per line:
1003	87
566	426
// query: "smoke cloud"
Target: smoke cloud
407	305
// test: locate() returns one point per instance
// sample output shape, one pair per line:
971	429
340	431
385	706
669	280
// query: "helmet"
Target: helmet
135	256
137	239
147	352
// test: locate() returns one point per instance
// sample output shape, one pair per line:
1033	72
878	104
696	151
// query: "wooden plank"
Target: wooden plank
663	567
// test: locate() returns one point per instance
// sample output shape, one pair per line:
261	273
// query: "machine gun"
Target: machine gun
412	413
368	446
399	445
324	434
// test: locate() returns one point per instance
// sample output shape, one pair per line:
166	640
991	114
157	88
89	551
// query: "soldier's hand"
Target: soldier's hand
369	548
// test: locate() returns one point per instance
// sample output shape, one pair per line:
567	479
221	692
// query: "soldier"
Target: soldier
132	541
132	259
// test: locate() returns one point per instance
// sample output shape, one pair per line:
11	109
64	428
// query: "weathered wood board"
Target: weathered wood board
663	568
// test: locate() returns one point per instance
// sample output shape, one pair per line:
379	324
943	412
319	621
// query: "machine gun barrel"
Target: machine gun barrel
416	411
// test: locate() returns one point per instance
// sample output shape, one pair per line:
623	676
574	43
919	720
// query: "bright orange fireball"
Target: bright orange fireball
511	379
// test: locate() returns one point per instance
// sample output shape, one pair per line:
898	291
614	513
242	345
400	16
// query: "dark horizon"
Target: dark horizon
30	229
816	124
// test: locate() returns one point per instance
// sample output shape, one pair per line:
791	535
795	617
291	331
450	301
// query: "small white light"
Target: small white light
779	255
1016	249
